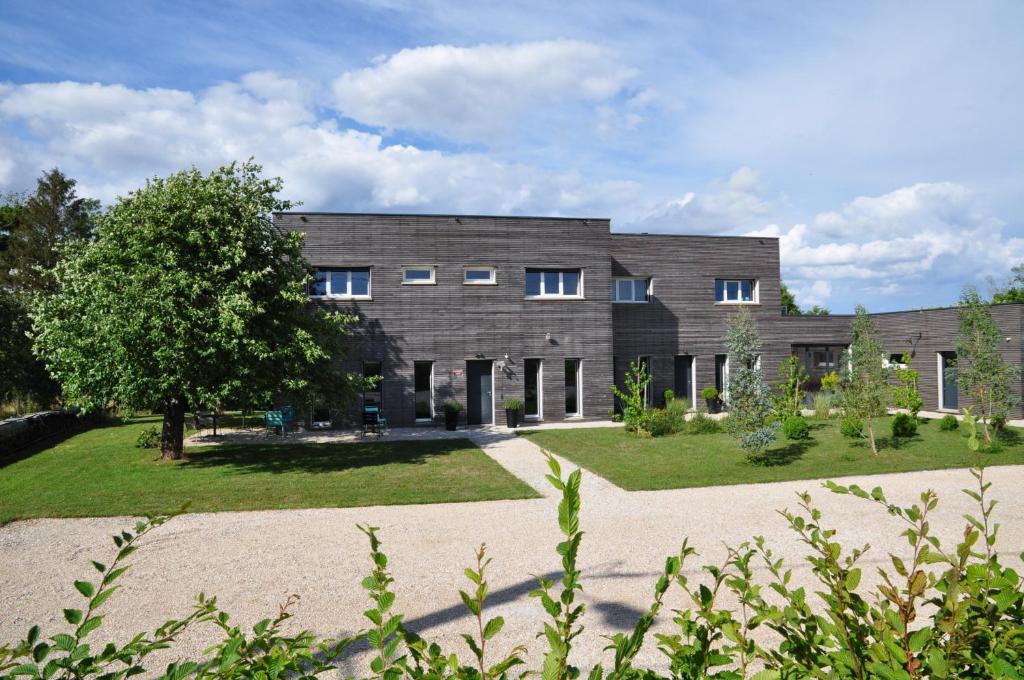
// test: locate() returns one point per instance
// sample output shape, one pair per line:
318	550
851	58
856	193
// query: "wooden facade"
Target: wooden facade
450	323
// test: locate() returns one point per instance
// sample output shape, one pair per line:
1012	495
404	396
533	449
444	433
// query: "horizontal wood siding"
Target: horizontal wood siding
449	322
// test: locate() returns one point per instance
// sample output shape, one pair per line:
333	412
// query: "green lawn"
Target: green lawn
683	460
100	472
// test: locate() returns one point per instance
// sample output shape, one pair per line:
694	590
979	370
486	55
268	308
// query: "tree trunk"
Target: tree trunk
871	439
173	433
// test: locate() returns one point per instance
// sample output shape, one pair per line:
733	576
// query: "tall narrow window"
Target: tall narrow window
572	387
722	376
373	396
684	378
533	384
424	387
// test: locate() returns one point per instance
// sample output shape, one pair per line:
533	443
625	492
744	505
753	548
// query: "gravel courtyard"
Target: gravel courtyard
253	560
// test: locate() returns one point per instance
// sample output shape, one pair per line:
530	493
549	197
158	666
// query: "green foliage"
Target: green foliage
865	387
830	381
23	378
701	423
752	420
452	406
512	404
790	396
903	425
1013	290
905	394
936	612
822	406
635	414
971	428
669	395
668	420
948	423
998	422
149	438
796	428
981	371
710	393
851	427
191	296
791	308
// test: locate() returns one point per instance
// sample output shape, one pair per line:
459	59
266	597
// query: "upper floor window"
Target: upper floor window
554	283
479	276
417	275
631	290
736	290
350	284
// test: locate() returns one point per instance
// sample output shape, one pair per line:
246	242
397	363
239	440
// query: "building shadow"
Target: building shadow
313	458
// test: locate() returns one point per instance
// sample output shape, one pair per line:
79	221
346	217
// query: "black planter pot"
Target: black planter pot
451	420
512	417
714	405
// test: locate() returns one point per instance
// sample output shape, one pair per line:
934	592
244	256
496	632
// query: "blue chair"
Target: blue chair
374	421
275	422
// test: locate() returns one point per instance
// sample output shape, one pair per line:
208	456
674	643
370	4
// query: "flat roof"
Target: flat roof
448	215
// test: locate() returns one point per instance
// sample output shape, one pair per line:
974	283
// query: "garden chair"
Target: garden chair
374	421
275	422
204	420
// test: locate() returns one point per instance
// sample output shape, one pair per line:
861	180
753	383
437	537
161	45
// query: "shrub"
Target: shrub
701	423
669	420
851	427
790	396
669	396
822	406
710	393
635	414
796	428
904	425
948	423
512	404
452	406
830	381
678	406
905	394
998	422
149	438
966	608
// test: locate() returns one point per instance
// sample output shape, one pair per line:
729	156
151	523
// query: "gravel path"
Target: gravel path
252	561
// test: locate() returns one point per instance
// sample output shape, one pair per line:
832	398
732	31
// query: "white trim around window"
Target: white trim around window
553	284
737	291
353	283
479	276
419	275
631	290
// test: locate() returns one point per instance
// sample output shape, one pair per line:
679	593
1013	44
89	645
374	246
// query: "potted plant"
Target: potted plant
710	395
512	408
452	409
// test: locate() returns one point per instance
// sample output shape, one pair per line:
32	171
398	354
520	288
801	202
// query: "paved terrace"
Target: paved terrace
253	560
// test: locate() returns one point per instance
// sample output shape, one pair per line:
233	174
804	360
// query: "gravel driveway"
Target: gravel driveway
252	561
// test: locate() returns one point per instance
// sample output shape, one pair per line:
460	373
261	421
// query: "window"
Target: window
722	376
631	290
895	361
684	385
423	376
736	291
554	283
340	283
479	276
373	396
417	275
533	382
572	387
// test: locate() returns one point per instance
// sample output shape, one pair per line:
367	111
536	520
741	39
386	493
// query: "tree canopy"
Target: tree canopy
791	308
1013	289
751	415
865	378
190	297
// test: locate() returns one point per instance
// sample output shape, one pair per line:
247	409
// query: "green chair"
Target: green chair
275	421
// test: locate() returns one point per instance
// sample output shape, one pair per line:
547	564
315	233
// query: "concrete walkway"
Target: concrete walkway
253	560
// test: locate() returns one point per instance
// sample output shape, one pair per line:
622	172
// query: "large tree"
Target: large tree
751	418
865	377
791	308
190	297
1012	290
49	219
981	370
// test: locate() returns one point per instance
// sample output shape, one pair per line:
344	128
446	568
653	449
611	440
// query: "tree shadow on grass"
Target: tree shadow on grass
783	455
311	458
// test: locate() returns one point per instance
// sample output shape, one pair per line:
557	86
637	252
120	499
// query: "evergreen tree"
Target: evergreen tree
751	416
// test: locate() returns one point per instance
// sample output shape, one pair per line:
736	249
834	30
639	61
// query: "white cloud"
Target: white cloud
723	207
478	93
112	137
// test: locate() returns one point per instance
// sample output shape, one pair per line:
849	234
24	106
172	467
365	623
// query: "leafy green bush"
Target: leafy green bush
789	398
998	422
452	406
709	392
851	427
948	423
937	613
822	406
635	414
796	428
149	438
512	404
904	425
701	423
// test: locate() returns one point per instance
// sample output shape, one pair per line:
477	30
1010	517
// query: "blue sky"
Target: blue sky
880	142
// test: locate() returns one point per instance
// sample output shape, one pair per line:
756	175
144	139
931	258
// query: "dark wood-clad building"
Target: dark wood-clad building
551	310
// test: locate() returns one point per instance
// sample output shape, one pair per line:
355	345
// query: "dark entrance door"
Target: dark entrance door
950	397
480	409
684	378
